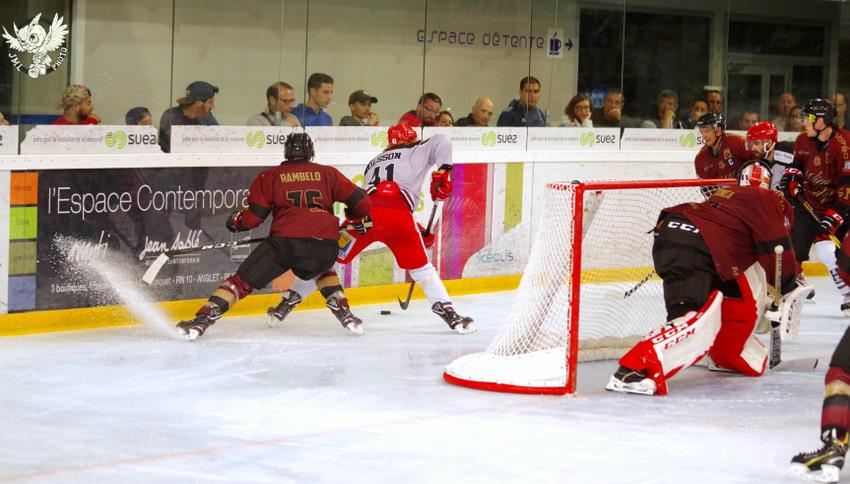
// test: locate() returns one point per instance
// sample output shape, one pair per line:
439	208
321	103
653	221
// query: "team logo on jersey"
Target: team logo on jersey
817	161
727	153
688	140
33	39
587	139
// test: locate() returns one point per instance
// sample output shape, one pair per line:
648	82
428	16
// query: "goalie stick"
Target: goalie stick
639	284
404	304
164	257
775	356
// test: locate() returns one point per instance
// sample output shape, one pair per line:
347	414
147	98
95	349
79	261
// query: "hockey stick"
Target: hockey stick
639	284
160	261
816	218
404	304
775	356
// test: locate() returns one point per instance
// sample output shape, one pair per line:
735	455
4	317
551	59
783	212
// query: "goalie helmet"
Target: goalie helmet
755	174
820	108
763	131
400	134
298	146
712	119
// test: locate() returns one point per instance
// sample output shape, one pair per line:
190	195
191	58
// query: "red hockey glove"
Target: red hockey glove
790	183
441	185
234	221
830	221
428	238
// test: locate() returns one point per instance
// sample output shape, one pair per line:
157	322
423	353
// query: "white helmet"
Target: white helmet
755	174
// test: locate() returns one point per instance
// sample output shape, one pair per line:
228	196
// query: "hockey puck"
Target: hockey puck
385	312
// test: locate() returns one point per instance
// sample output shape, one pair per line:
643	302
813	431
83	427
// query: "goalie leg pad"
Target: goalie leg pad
677	345
735	347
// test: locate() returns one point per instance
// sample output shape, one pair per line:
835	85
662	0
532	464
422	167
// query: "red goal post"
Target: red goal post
588	291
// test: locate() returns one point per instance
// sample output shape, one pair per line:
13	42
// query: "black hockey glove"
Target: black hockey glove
790	184
234	221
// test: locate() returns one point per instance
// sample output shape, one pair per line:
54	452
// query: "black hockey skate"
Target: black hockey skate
822	465
193	329
626	380
461	324
339	306
278	313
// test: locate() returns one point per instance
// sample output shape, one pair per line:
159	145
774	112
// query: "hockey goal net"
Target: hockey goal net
589	290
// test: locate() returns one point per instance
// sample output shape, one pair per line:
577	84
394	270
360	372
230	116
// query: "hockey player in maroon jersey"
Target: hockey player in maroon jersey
713	257
299	195
393	181
724	153
819	180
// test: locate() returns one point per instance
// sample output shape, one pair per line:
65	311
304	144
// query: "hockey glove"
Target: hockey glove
360	224
790	183
830	221
441	185
428	238
234	221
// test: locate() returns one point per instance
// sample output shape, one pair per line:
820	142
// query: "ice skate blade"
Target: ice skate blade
827	473
355	328
469	328
273	321
644	387
190	335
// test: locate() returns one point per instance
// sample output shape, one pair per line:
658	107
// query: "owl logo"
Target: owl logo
35	40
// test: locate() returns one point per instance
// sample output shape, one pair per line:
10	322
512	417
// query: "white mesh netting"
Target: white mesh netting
619	302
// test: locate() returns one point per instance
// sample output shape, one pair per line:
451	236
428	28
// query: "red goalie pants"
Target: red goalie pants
392	224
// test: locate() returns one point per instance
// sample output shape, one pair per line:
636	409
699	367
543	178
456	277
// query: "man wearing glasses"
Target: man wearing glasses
426	112
281	100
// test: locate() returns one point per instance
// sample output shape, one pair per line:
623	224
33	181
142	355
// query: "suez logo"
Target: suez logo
117	140
379	138
490	138
690	140
589	138
258	139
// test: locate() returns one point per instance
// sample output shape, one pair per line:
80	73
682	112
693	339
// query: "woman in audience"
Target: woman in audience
445	119
577	113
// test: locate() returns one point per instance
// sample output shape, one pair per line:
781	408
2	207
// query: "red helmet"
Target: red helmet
400	134
763	131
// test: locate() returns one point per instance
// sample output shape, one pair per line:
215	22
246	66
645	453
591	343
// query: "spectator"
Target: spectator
785	103
841	106
748	119
138	116
577	113
3	120
320	92
698	108
360	105
445	119
280	99
195	108
426	112
666	105
611	115
76	106
524	111
714	101
482	112
795	120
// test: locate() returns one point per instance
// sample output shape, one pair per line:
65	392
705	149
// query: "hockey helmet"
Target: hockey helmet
712	119
400	134
755	174
298	146
763	131
820	108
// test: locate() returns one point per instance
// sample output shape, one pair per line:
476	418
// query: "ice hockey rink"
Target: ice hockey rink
312	403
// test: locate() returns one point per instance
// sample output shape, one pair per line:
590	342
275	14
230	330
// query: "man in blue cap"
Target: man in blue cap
192	109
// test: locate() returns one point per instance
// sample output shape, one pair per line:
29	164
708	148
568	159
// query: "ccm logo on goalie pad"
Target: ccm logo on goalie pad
671	335
682	226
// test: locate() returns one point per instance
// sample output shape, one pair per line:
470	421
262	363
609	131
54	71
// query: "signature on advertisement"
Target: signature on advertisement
80	250
154	247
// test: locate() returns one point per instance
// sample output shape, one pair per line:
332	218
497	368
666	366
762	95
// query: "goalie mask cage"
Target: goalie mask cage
588	291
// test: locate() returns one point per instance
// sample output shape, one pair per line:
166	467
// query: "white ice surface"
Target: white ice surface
311	403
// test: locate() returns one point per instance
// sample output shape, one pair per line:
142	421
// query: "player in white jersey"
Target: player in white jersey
393	181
